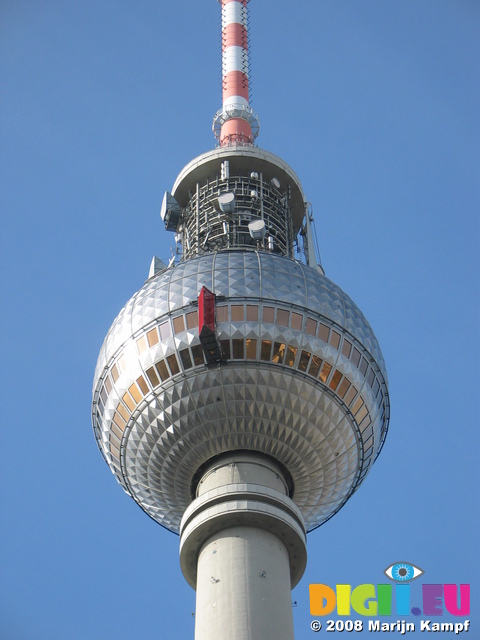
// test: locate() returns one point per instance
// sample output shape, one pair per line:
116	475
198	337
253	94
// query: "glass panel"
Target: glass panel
119	421
173	364
337	376
371	377
186	359
376	387
252	312
108	384
121	364
117	431
251	349
162	370
278	352
142	344
291	355
152	337
225	346
324	373
197	353
297	321
357	405
363	366
114	451
266	350
103	395
178	324
323	331
361	414
283	317
237	312
222	314
268	314
135	392
351	393
315	365
304	359
346	348
335	339
128	400
114	439
368	453
115	373
142	383
343	388
356	356
123	412
152	376
165	330
368	444
237	347
192	319
311	327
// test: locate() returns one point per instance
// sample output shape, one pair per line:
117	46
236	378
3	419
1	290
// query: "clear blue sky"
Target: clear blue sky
376	106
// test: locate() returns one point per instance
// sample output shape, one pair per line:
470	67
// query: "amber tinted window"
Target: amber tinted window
152	376
283	317
297	321
128	400
266	350
135	392
225	345
237	312
186	359
304	359
251	349
323	331
142	344
119	421
324	373
162	370
192	319
165	330
143	385
351	393
291	355
335	339
117	431
152	337
197	353
357	405
278	352
123	412
222	314
343	388
361	414
252	312
365	424
114	451
315	365
115	373
173	364
346	348
103	394
268	314
237	348
311	327
108	384
355	356
337	376
178	324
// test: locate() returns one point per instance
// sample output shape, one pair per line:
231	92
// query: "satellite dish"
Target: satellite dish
226	202
257	229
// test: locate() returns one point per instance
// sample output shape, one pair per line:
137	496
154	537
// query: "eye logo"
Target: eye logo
403	572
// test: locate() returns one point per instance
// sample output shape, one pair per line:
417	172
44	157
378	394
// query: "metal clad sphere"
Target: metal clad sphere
303	380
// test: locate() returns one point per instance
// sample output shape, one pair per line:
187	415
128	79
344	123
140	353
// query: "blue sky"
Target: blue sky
376	106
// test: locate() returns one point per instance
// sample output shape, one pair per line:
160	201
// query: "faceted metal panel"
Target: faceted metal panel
307	387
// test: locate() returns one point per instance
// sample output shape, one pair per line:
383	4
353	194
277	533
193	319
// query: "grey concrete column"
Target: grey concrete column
243	548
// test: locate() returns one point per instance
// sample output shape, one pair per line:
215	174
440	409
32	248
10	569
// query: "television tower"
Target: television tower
240	396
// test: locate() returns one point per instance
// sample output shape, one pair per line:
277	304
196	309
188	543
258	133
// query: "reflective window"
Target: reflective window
162	370
357	405
363	366
315	365
251	345
152	337
252	312
237	312
152	376
324	373
128	400
337	376
143	385
368	444
335	339
291	355
376	387
115	374
297	321
361	414
346	348
222	314
323	332
371	377
117	431
119	421
225	346
304	360
268	314
356	356
343	388
135	392
237	348
114	451
351	393
278	352
311	327
266	350
178	324
186	359
108	384
103	395
197	353
165	330
123	412
173	364
142	344
121	364
283	317
192	319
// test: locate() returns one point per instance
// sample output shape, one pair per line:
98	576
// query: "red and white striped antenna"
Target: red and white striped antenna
235	122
